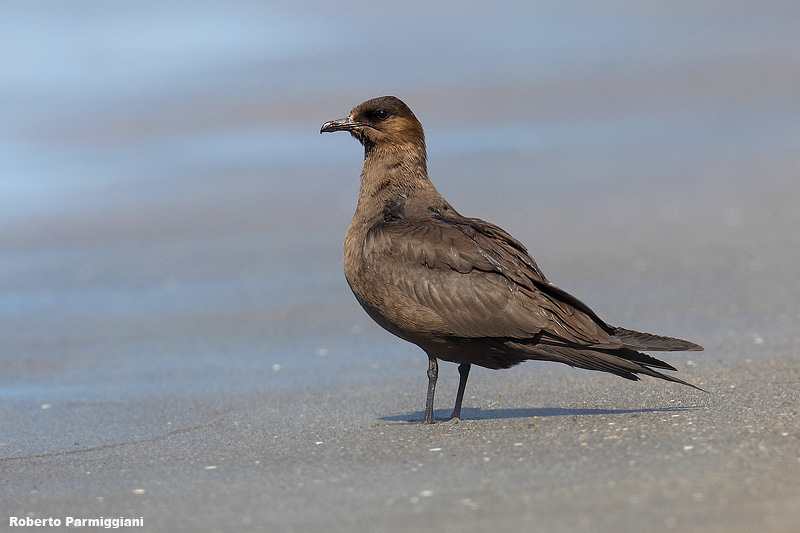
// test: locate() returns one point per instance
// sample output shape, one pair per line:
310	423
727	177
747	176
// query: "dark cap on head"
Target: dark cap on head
386	119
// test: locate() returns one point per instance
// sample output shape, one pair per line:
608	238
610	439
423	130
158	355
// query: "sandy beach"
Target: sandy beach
556	452
178	342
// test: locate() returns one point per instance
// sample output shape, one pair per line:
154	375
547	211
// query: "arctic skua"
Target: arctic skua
460	288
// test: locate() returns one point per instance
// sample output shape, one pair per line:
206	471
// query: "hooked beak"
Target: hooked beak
343	124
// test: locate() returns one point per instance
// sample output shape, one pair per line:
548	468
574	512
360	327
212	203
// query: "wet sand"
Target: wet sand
173	371
178	341
556	451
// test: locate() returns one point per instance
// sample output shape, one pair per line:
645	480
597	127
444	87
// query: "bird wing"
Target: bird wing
479	280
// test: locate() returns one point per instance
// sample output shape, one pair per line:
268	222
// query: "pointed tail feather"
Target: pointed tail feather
622	362
647	341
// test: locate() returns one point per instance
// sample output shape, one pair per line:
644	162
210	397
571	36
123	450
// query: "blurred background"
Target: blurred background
171	224
167	203
164	188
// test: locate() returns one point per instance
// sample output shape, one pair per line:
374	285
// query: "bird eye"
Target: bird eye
382	114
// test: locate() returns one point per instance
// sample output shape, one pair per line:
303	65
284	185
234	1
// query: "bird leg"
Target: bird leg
463	372
433	375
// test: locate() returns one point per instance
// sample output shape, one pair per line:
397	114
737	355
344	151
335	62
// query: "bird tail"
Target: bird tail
647	341
623	362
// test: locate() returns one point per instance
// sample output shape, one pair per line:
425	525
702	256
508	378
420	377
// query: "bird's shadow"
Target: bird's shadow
499	414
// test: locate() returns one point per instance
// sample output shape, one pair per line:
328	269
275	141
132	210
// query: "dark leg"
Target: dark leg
433	375
463	372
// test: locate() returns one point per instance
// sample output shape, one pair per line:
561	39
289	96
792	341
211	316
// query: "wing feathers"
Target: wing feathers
484	285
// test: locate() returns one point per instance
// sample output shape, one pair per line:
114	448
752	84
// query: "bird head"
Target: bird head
384	121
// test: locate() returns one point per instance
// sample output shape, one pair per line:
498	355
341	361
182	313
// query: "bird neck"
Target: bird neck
393	170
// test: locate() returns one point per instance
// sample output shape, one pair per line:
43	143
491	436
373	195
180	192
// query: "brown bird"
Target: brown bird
462	289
